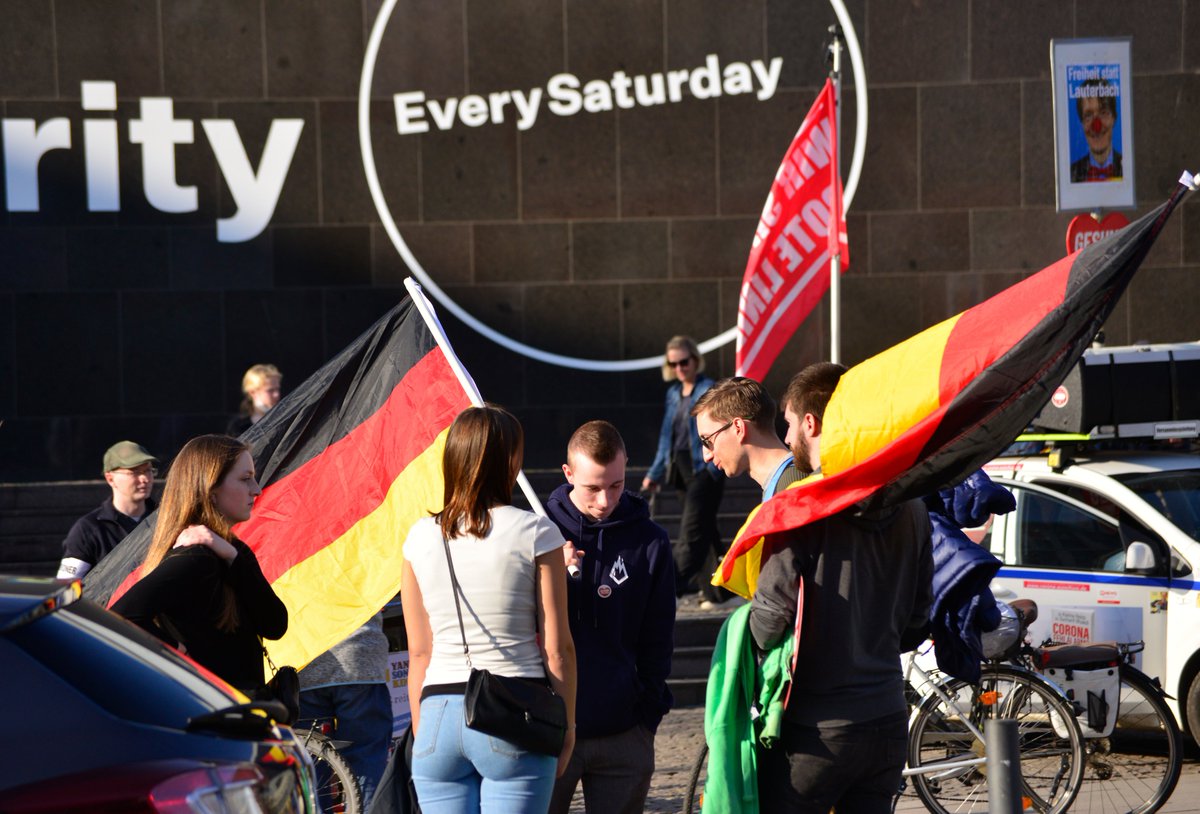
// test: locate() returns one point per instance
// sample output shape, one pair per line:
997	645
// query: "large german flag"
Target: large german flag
927	412
348	462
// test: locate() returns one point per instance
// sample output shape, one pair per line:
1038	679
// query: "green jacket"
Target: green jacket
741	706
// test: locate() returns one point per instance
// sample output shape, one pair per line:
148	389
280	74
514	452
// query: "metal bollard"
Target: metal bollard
1004	767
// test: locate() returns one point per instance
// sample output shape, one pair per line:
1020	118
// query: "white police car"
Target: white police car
1107	541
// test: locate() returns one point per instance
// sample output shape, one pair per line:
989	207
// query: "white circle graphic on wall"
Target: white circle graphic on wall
415	117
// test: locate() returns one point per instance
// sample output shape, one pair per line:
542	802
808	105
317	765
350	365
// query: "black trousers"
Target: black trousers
854	768
698	547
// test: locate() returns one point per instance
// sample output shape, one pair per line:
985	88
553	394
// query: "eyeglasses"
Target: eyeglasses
684	362
706	441
133	473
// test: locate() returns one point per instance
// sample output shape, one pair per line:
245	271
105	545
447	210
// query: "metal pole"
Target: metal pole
834	56
1004	767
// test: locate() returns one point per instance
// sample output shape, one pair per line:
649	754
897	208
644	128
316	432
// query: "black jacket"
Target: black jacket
98	532
187	587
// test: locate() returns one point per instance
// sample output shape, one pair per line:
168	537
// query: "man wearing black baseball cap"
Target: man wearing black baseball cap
129	471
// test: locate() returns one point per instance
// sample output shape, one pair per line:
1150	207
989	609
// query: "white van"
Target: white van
1107	545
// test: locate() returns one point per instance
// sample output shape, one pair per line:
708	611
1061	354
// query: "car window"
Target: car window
1051	533
1176	495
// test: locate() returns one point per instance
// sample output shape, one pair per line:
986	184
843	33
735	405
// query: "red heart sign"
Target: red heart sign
1085	229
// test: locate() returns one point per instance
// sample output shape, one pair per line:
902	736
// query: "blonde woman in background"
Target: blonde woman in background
262	386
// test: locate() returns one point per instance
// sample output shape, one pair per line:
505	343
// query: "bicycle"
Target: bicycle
1133	753
337	789
947	750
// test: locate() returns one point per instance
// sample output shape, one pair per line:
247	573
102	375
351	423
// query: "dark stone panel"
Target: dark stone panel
1037	144
548	428
965	145
115	40
1011	39
1116	327
109	259
944	295
298	199
878	312
27	48
195	166
1028	239
470	174
1191	35
581	320
498	372
8	359
594	393
890	167
1155	295
198	261
423	48
603	38
1168	248
916	42
176	335
696	28
703	249
32	258
799	32
754	137
283	328
624	250
213	48
74	336
858	233
920	241
344	194
72	448
349	313
314	47
1155	30
520	253
1189	216
62	186
516	44
1164	151
654	312
320	256
667	159
569	167
443	251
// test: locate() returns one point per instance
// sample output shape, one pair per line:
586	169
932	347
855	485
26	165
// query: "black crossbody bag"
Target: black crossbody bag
522	711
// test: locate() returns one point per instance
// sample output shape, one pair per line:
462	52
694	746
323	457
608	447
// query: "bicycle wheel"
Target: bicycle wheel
1135	769
1049	743
337	790
694	800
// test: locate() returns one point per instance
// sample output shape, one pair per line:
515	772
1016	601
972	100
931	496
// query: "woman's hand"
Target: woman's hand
564	757
649	485
203	535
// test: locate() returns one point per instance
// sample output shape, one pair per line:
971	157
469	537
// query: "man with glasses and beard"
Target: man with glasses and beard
129	471
867	590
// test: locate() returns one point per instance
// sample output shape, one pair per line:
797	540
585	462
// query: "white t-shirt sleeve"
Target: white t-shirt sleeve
548	538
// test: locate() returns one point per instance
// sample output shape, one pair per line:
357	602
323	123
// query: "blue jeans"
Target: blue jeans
457	769
363	714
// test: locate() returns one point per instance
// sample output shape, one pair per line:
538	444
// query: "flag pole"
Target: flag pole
425	309
834	57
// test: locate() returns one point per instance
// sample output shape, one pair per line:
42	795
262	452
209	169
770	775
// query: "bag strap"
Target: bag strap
456	589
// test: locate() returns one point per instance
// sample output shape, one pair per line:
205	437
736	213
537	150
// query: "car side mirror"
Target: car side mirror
1139	558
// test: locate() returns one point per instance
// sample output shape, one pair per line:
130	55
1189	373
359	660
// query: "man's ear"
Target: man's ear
567	472
108	478
812	425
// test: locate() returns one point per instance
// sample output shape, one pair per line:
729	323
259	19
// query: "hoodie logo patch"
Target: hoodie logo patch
618	574
604	591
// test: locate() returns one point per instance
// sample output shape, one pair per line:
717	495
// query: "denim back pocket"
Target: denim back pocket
433	710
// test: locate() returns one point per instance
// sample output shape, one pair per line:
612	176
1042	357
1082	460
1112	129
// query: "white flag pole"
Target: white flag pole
835	262
425	309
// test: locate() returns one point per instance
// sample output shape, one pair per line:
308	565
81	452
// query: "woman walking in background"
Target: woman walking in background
512	577
679	463
201	588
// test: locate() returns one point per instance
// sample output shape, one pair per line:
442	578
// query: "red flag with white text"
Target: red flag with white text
801	228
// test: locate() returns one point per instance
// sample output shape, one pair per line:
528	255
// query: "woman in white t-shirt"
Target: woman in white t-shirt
511	572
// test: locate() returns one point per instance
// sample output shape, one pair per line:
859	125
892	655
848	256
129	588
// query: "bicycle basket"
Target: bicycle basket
998	642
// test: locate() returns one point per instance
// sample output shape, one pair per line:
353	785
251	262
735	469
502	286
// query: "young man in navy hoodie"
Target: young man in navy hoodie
621	603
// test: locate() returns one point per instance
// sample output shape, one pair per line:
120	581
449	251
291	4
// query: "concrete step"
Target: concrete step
688	692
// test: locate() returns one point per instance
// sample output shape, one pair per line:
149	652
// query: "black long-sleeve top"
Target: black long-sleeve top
187	587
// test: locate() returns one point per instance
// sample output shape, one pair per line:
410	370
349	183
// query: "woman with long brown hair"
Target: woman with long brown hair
510	570
201	588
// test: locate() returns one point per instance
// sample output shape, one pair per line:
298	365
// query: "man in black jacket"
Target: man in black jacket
867	588
129	471
621	605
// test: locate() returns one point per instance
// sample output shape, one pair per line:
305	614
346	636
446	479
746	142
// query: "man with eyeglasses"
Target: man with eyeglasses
129	471
736	423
